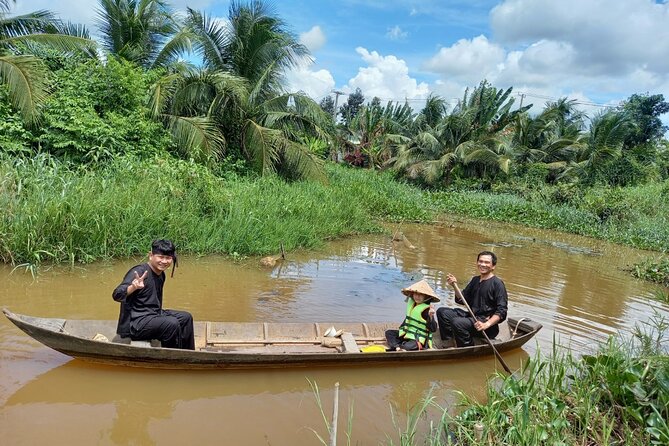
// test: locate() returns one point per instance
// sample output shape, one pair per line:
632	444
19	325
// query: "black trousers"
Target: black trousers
457	323
394	340
173	328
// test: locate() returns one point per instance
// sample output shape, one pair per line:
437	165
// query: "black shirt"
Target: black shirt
486	297
143	302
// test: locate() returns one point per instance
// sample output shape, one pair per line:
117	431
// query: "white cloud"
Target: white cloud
314	39
467	58
451	91
607	36
594	51
396	33
316	84
386	77
541	64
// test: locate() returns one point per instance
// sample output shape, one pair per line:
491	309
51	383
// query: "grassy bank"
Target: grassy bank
56	213
619	395
635	216
60	213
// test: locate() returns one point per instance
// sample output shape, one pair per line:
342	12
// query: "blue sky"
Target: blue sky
598	52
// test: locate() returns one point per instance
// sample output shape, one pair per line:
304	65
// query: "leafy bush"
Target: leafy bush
98	111
14	137
619	395
606	203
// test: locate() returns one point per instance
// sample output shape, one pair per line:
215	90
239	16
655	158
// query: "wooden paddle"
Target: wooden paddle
485	335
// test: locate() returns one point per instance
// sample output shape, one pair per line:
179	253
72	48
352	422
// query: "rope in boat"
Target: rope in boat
515	330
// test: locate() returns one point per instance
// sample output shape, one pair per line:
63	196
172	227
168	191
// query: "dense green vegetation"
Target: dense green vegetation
634	216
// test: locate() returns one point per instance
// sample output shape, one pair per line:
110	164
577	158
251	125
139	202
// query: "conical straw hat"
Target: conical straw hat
421	287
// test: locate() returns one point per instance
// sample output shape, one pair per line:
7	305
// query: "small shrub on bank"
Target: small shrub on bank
653	270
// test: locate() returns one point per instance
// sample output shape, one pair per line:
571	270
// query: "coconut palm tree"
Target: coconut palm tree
487	154
182	100
23	73
469	137
431	155
250	53
142	31
600	146
434	111
375	132
551	137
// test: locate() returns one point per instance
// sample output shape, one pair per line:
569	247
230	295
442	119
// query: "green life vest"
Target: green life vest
414	326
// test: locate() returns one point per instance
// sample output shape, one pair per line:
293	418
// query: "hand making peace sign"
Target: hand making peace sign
138	281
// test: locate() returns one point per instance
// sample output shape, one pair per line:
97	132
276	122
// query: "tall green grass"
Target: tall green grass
60	213
635	216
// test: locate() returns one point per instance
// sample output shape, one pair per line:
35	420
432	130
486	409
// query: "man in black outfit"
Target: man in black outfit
486	296
141	295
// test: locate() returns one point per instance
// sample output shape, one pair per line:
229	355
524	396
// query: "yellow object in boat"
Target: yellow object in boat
373	349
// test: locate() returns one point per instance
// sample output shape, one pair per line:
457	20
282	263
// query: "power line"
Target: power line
550	98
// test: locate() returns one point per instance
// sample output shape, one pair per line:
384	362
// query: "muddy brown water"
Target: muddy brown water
574	286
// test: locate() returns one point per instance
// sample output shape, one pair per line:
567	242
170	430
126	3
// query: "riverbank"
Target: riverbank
617	395
61	213
55	213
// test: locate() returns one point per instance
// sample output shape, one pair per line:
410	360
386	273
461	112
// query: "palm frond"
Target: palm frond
263	146
300	162
26	78
161	93
180	44
59	42
136	30
212	39
26	24
5	5
197	136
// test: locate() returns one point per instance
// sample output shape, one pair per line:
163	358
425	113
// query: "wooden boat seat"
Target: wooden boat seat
152	343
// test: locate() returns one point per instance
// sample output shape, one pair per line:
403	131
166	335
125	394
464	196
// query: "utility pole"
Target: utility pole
337	93
522	96
334	151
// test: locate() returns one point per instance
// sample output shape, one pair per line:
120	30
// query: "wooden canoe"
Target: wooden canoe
220	345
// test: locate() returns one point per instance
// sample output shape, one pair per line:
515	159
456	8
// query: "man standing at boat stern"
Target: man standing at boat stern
486	296
142	316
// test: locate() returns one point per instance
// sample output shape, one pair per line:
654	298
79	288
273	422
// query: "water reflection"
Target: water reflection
135	406
580	298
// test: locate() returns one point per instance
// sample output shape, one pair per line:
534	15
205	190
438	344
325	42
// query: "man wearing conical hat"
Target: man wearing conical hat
415	333
486	296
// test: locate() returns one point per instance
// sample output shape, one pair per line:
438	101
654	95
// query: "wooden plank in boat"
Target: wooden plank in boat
227	332
349	344
245	333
